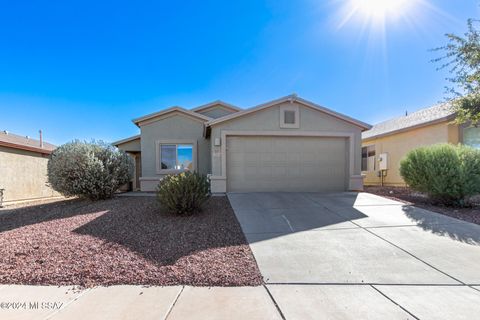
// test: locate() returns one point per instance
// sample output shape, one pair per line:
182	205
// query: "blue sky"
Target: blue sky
84	69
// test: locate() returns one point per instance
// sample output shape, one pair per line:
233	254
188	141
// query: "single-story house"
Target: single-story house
387	143
288	144
23	168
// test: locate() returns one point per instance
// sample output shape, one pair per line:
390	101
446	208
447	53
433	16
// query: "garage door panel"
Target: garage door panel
279	173
279	158
293	157
294	171
266	172
286	164
266	157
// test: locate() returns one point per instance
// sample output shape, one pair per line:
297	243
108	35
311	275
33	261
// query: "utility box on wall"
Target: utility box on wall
383	161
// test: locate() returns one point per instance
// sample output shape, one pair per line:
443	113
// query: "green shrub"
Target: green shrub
88	170
183	193
446	173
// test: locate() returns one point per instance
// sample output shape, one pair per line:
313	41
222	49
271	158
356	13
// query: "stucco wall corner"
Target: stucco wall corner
149	184
218	184
356	182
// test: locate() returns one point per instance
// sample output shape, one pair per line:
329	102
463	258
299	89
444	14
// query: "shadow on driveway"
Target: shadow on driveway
270	215
359	238
455	229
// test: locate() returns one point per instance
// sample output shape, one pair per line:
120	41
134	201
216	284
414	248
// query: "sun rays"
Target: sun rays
373	15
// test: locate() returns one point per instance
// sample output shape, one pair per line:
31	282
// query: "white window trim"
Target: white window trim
158	155
293	108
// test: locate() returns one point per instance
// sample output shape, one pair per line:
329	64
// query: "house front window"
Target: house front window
168	156
471	137
173	157
368	158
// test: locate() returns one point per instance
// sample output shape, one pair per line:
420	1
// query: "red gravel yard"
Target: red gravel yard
124	240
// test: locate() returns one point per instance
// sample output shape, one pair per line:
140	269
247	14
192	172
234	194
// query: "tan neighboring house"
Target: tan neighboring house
387	143
23	168
288	144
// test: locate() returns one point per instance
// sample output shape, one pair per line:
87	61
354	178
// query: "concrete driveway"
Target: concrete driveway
358	251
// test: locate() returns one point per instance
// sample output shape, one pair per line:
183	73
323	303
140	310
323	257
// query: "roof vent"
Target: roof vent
28	137
5	131
41	138
292	97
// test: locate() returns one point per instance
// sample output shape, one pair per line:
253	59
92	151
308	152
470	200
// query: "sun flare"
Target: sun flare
379	9
377	13
369	23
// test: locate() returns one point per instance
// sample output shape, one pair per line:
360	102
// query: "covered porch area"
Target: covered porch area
132	147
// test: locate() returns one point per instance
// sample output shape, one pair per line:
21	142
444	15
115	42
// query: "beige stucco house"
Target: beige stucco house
289	144
385	144
23	168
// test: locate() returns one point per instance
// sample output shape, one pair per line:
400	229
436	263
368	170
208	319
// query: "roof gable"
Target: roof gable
215	104
217	111
290	98
149	118
438	113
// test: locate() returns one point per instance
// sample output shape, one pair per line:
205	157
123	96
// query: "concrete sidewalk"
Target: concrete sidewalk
264	302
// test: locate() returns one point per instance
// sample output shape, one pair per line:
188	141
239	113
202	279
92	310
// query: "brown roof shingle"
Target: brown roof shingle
421	117
26	143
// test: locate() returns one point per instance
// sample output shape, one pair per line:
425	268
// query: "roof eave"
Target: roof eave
364	126
214	103
132	138
420	125
137	121
26	148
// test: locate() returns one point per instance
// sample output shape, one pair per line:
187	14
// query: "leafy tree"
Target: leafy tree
462	58
89	170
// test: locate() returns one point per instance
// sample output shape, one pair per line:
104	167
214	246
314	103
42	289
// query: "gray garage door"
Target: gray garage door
292	164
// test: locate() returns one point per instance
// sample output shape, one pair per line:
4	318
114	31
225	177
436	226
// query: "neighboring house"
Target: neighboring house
396	137
23	168
289	144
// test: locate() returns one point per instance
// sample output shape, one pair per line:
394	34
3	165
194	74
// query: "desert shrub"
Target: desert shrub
447	173
183	193
89	170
